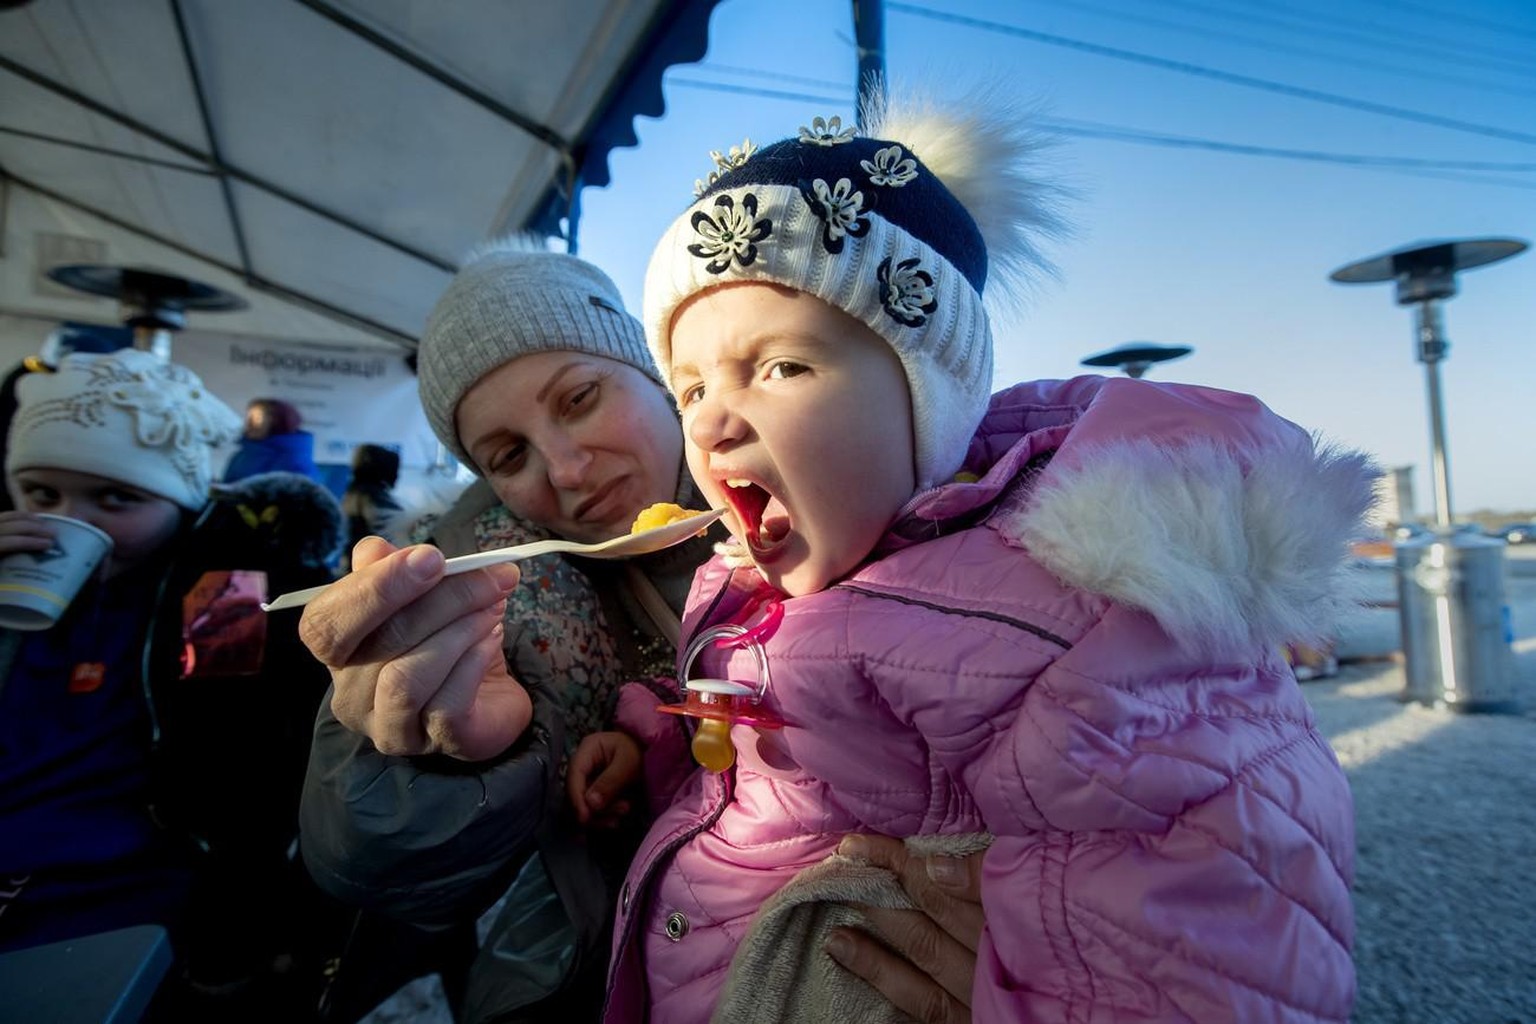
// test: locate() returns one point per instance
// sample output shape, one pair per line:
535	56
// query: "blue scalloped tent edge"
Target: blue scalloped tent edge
679	34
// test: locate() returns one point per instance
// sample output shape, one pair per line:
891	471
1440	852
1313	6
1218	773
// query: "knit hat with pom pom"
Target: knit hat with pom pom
896	225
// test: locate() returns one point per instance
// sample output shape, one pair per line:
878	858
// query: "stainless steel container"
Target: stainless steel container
1456	635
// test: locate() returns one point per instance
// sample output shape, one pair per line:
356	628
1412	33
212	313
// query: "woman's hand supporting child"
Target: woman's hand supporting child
930	973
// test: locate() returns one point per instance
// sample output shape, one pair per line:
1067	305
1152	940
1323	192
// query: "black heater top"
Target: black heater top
149	298
1427	270
1137	357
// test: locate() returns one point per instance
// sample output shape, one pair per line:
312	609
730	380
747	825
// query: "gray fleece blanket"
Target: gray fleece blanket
780	974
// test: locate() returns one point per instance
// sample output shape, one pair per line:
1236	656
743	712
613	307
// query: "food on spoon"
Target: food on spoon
660	514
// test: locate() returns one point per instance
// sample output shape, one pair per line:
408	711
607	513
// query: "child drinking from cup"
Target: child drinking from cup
1049	620
153	739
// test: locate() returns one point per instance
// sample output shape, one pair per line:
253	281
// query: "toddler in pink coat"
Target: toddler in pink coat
1047	622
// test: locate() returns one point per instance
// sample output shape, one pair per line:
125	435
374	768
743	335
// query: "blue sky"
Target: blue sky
1198	245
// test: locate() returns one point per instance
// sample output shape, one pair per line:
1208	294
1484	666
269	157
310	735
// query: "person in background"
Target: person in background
369	501
153	741
426	800
272	441
1045	622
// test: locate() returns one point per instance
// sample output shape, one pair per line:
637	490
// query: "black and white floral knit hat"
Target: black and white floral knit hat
896	225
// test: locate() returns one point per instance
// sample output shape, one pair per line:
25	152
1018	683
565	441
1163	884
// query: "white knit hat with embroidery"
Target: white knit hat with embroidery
897	225
127	416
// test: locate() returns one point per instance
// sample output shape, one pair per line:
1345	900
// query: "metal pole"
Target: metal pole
869	36
1432	349
155	340
1450	585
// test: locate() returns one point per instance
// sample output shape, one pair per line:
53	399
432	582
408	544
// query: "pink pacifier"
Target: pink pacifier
718	704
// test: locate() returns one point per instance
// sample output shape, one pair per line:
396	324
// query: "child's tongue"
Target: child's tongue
772	525
764	519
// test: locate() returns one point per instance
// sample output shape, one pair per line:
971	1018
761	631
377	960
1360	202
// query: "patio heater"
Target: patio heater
1135	358
1450	582
153	304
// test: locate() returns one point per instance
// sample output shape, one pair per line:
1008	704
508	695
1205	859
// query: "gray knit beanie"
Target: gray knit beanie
511	299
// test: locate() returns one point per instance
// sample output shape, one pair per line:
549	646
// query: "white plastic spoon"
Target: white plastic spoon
628	545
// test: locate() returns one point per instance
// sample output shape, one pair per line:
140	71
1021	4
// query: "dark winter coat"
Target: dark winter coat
436	842
229	699
277	453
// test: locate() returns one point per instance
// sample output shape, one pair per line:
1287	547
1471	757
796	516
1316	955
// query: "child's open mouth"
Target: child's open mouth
764	519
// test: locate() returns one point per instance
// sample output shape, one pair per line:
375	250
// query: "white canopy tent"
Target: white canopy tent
327	161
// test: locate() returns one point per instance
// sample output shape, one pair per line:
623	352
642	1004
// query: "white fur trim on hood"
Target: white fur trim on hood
1214	543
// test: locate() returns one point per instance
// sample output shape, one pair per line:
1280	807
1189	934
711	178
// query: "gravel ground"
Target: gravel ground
1445	805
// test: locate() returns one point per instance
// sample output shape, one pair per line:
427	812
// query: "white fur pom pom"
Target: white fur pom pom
984	147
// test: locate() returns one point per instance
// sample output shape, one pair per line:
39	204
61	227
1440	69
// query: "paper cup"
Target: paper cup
36	586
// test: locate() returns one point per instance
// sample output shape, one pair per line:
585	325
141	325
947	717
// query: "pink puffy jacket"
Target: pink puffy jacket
1080	654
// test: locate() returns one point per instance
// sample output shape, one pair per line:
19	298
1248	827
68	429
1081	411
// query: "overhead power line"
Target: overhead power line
1443	12
1092	129
1270	46
836	85
1449	169
772	94
1374	36
1474	179
1184	67
1098	130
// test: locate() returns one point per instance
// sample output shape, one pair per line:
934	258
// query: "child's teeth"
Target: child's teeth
738	483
